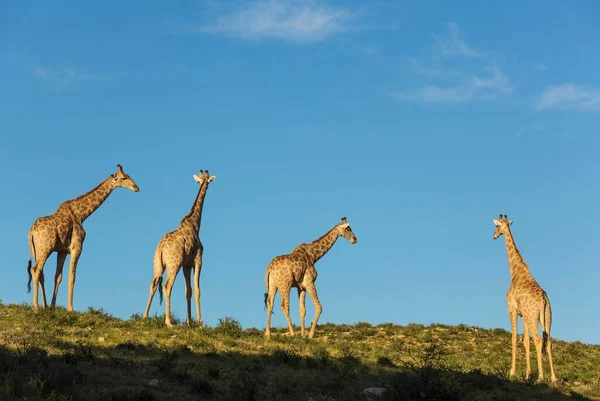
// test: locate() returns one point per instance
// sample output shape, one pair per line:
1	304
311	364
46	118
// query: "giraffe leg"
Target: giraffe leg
527	349
531	324
513	327
302	302
312	291
60	263
538	348
75	253
197	270
285	307
159	269
549	352
172	275
43	288
36	273
270	302
187	272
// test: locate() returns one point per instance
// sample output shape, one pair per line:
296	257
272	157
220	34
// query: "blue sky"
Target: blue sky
418	122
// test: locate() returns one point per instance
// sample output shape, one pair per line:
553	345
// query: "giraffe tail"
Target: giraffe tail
267	274
160	290
29	273
546	321
31	255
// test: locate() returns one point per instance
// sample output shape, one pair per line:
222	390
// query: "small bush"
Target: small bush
229	327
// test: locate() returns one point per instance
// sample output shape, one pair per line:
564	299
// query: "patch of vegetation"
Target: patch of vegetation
54	355
229	327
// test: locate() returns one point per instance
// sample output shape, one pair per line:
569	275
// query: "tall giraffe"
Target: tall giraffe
527	299
63	233
297	269
181	247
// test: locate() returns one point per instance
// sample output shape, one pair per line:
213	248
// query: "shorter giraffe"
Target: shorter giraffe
297	269
527	299
63	233
181	247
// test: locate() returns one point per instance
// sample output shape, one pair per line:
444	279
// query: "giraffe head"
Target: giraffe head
344	230
204	177
502	225
122	179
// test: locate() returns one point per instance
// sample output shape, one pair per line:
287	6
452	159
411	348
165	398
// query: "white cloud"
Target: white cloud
292	20
471	88
461	86
569	96
64	77
454	46
440	73
497	82
435	94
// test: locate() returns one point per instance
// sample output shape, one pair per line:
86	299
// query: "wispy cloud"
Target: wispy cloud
541	66
461	86
292	20
498	81
467	88
471	88
64	77
569	96
454	45
435	94
432	72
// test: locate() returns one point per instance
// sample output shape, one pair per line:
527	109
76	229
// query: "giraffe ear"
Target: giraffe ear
344	225
197	179
496	223
212	178
510	223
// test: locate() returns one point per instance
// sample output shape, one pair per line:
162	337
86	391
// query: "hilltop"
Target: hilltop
55	355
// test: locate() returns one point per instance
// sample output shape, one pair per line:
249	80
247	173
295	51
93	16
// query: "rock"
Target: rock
376	391
153	383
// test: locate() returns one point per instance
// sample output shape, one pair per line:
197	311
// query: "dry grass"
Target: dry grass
55	355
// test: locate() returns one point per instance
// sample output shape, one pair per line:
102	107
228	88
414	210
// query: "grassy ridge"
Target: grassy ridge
55	355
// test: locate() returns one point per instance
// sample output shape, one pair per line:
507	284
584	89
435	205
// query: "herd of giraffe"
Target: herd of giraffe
63	233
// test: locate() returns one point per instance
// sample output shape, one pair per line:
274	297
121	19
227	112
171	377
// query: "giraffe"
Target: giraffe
297	269
181	247
527	299
63	233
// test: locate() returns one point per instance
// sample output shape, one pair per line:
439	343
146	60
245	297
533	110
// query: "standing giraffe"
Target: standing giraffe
63	233
181	247
525	298
297	269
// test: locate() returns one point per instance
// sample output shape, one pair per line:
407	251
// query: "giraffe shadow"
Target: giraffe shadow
133	370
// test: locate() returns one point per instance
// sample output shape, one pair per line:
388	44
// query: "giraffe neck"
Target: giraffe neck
322	245
516	263
195	214
86	204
